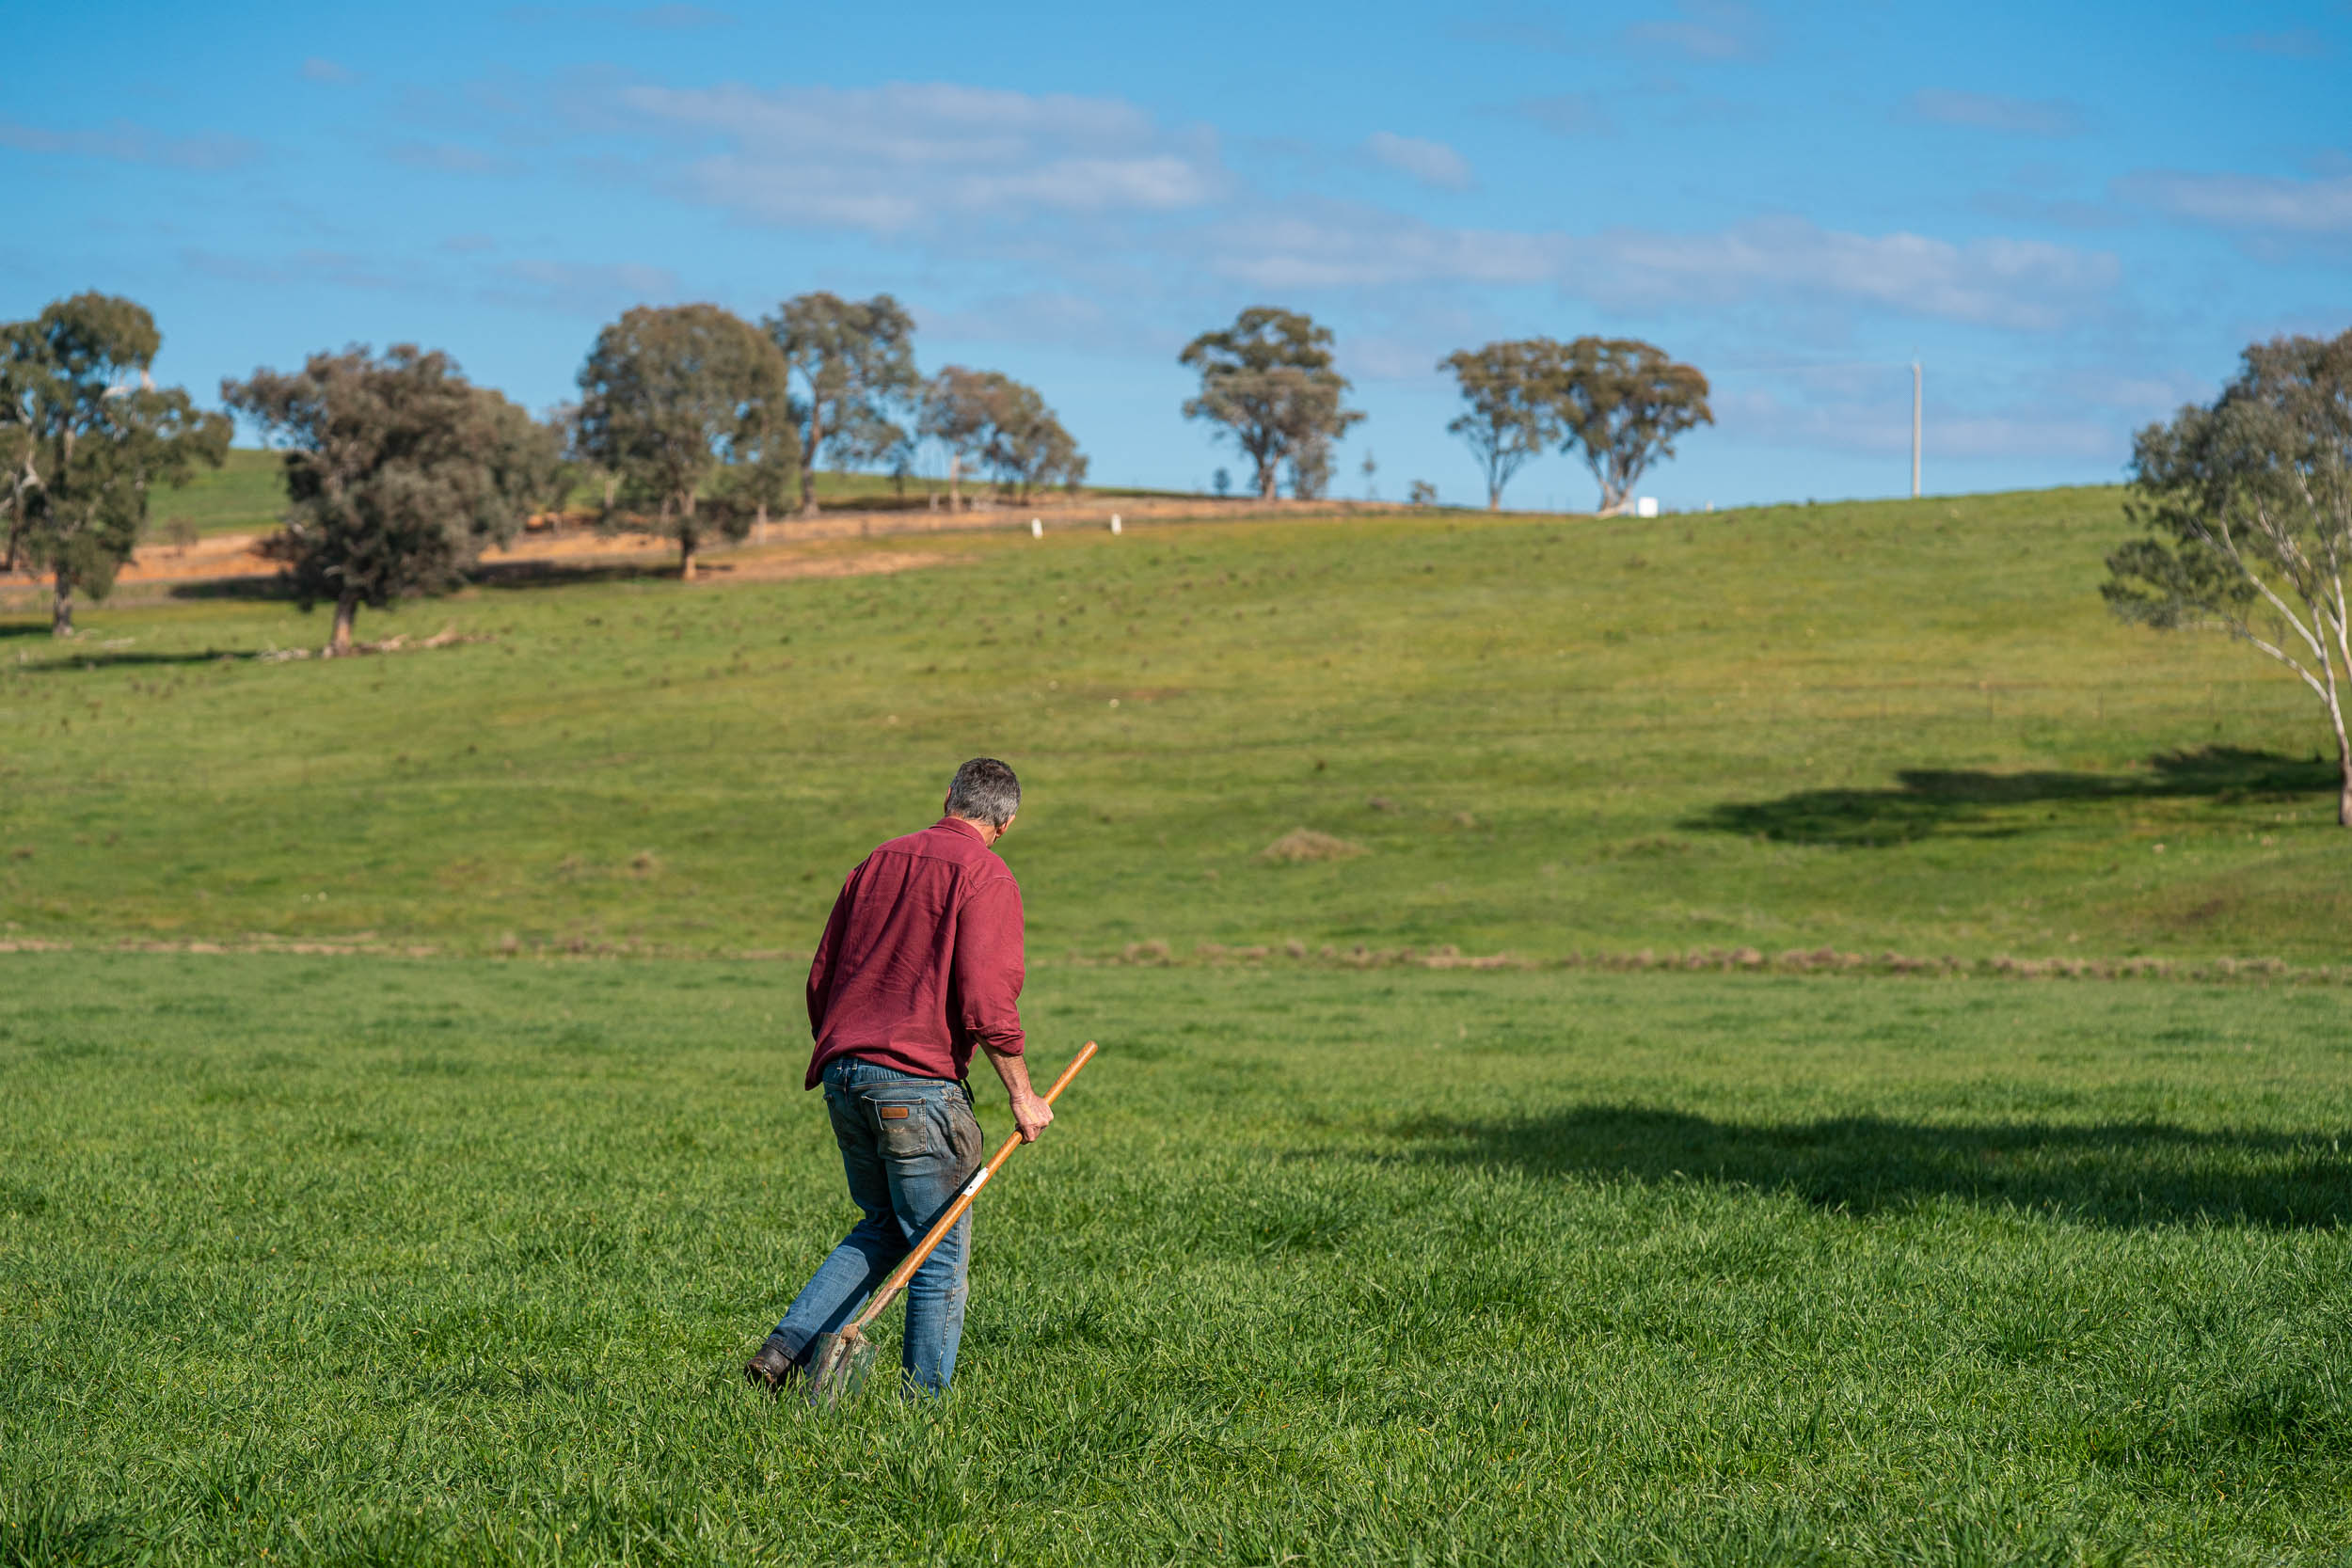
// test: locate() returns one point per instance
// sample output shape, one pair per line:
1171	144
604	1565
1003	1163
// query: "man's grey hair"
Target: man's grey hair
984	790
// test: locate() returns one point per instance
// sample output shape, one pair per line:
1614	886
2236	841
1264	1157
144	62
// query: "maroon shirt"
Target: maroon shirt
921	959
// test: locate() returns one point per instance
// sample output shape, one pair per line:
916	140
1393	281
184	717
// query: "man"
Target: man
920	962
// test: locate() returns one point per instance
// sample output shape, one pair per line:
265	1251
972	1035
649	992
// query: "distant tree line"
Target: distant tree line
1268	385
399	473
704	426
1617	402
699	426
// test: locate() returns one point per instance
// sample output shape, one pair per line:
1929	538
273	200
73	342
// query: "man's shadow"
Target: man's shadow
2125	1174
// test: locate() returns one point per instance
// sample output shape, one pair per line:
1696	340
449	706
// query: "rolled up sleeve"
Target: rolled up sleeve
989	968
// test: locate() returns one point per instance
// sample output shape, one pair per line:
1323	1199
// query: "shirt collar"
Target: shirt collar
971	828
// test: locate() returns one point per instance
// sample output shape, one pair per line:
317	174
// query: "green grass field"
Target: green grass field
372	1260
243	496
352	1256
1897	727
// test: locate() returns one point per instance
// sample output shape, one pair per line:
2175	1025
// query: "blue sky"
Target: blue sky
2074	214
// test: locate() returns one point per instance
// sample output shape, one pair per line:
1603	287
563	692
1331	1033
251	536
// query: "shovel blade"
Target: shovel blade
839	1365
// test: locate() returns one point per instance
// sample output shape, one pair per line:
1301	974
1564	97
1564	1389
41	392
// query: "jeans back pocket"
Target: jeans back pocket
902	1127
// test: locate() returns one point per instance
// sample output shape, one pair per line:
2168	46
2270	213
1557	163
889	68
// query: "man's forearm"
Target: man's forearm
1029	1111
1014	1070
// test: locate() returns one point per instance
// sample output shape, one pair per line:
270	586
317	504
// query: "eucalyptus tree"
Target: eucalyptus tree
399	473
1620	404
955	411
1003	426
1268	381
2248	504
687	403
1512	415
86	436
854	365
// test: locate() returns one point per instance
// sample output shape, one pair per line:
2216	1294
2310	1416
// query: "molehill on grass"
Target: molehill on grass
1302	845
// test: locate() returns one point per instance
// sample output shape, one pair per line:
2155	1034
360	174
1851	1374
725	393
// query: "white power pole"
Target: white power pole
1914	430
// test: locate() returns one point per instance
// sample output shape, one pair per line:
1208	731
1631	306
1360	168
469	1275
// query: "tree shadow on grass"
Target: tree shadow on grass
1961	802
255	588
2114	1173
569	574
71	660
494	573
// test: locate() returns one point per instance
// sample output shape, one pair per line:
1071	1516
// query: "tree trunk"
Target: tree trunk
759	525
955	475
61	608
2344	768
338	641
808	455
1268	478
1494	498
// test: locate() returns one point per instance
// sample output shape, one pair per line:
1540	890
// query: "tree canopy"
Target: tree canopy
855	362
1003	426
685	402
1268	382
85	434
400	473
1513	415
2248	504
1620	403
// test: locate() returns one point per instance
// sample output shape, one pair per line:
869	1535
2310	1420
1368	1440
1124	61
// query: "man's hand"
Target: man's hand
1032	1116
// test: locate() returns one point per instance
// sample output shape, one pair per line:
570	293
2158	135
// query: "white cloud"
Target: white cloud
1881	425
1992	111
2025	285
678	19
1060	318
126	143
1705	30
1565	114
302	268
1337	246
450	158
2022	284
2248	201
668	19
583	288
2306	44
1431	162
910	156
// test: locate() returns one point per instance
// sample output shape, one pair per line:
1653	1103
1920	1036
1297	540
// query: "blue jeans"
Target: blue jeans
909	1144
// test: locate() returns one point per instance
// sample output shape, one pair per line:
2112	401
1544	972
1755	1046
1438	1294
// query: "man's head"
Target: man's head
985	794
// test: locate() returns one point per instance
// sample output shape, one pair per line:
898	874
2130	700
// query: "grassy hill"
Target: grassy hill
242	496
1906	726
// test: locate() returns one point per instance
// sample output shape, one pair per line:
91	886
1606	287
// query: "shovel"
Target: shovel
838	1363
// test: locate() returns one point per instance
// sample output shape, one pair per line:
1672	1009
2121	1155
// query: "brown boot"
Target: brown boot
773	1366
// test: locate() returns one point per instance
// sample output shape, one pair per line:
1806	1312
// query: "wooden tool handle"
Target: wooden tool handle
946	1222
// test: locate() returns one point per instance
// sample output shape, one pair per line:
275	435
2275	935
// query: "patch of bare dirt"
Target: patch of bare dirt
776	568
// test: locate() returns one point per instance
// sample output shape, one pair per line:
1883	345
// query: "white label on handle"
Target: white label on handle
980	1179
